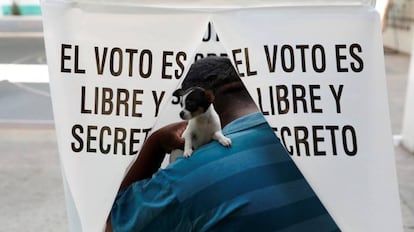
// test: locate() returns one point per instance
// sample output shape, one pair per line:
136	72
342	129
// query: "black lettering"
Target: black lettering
337	96
322	67
101	136
302	55
83	108
77	69
207	36
314	98
320	135
183	55
246	56
302	139
166	64
299	97
282	98
100	63
96	100
75	130
112	59
105	140
145	53
136	102
90	138
131	53
107	95
236	61
120	102
157	101
119	139
345	140
340	57
271	62
122	99
64	57
332	129
271	98
359	65
287	52
317	139
133	141
259	97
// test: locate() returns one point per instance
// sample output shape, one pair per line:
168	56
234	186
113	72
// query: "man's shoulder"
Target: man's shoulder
246	132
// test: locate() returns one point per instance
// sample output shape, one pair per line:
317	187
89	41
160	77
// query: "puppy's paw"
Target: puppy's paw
225	141
188	153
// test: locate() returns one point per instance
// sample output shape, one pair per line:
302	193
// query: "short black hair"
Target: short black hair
210	73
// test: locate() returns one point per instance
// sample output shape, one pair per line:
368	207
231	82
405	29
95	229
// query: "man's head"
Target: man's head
217	75
211	73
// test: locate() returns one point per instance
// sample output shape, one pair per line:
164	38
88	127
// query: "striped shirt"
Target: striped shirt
251	186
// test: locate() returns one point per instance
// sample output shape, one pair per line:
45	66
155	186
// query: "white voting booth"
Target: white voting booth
316	71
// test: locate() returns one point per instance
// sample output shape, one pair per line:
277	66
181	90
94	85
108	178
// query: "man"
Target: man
253	185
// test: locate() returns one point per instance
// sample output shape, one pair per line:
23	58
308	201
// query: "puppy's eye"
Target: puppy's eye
190	105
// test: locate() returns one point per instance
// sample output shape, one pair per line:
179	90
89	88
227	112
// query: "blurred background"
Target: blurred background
31	188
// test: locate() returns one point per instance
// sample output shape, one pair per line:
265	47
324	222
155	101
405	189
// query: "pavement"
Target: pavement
397	68
30	177
31	182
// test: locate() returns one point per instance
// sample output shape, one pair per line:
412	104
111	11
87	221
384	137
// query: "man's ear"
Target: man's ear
177	94
210	96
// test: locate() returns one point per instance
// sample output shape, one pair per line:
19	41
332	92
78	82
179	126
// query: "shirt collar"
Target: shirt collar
245	122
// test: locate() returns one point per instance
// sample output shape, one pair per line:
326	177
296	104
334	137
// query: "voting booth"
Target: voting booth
315	70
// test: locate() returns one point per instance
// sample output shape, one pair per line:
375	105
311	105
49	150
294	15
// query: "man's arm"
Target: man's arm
152	154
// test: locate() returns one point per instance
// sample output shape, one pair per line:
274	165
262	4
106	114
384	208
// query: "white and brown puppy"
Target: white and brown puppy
203	121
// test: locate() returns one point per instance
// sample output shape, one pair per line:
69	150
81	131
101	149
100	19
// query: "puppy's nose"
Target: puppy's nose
182	114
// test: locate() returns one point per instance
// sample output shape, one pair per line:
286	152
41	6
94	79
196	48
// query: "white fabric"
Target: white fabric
345	80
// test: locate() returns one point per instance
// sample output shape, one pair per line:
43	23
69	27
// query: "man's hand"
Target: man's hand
169	137
152	153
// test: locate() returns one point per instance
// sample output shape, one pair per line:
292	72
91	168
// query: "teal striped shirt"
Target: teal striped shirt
252	186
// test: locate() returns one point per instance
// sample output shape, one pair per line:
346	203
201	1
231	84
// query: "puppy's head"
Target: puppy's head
194	101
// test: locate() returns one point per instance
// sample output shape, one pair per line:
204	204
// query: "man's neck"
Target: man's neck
229	114
232	102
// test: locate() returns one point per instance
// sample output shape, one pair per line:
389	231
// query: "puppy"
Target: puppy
203	121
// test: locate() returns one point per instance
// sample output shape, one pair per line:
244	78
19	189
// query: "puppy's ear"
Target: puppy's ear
177	94
209	96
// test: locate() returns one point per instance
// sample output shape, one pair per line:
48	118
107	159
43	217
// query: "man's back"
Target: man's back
254	185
